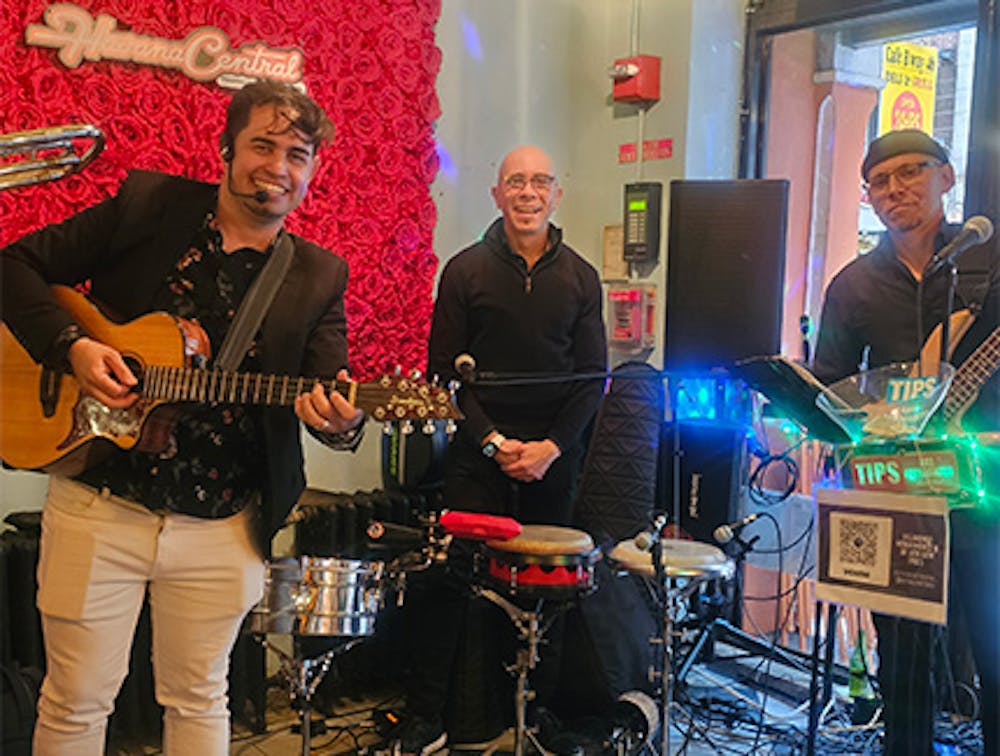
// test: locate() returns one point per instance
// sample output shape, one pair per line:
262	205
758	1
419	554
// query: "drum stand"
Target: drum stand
531	629
303	677
672	598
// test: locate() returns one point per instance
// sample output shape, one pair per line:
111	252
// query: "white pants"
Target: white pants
98	554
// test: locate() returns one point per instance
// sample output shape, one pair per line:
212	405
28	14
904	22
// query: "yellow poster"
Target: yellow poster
910	74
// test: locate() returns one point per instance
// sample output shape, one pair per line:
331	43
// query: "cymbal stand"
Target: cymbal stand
303	678
531	628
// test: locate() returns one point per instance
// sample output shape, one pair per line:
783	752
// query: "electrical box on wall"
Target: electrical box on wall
631	316
637	79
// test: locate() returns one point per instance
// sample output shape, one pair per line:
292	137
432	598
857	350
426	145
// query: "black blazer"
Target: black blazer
127	245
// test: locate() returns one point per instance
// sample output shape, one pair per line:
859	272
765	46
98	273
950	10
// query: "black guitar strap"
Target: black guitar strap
255	304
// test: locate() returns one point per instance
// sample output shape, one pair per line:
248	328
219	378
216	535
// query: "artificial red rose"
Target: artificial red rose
267	27
407	129
408	76
363	232
408	189
366	67
407	21
50	84
366	126
129	131
350	94
391	160
350	40
390	45
431	58
350	154
427	215
407	235
99	94
367	16
430	107
388	102
431	10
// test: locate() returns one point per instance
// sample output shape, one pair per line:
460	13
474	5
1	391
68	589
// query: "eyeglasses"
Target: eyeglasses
906	173
541	182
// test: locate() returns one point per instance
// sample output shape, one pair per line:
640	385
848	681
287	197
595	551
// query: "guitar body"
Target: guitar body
57	435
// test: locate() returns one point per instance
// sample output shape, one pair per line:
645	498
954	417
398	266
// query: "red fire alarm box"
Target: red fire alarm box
631	316
637	79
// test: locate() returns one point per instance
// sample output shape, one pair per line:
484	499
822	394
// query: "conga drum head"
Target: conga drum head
544	560
681	559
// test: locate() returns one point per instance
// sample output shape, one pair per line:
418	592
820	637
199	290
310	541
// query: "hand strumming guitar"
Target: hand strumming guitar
101	373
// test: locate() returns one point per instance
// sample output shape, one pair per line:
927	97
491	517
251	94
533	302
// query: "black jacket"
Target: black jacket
127	245
546	322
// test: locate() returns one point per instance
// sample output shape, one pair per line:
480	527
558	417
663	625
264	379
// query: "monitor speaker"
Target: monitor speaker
712	464
725	272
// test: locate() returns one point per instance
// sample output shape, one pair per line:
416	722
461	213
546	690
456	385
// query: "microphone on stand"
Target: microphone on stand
725	533
647	539
976	230
395	536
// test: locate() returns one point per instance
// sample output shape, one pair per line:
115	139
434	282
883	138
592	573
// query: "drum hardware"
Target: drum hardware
531	628
677	568
542	563
49	153
303	677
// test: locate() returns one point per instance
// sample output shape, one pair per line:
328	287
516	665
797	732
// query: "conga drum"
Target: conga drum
544	561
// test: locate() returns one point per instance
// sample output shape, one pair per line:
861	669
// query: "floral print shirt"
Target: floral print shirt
213	465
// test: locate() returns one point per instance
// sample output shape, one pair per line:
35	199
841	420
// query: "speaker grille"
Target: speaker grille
725	272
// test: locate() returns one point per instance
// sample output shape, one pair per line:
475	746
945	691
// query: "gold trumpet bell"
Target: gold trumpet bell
47	154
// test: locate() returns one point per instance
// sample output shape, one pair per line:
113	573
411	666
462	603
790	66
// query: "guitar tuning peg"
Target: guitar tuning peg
428	427
387	429
406	427
398	370
451	428
454	386
416	375
435	380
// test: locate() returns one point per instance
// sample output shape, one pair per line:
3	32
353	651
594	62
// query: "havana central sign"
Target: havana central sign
203	55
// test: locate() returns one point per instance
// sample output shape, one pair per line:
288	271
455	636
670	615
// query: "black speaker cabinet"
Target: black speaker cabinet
712	475
725	272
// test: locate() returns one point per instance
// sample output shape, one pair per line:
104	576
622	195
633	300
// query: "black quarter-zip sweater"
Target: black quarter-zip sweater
545	322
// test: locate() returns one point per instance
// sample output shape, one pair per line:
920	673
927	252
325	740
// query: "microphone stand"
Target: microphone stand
949	308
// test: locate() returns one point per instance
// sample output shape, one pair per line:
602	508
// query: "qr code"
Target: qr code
858	542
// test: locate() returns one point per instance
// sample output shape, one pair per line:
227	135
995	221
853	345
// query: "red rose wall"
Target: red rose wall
372	66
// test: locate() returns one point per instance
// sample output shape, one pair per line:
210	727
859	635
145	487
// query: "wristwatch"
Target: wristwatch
491	447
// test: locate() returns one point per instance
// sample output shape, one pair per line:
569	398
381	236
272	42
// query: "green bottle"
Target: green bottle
858	685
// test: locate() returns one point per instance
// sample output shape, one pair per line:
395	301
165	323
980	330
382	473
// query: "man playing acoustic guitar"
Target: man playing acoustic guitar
190	521
870	316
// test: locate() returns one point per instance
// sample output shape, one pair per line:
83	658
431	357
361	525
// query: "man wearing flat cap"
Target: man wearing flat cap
870	319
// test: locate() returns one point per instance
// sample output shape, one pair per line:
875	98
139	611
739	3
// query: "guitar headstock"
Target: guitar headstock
398	397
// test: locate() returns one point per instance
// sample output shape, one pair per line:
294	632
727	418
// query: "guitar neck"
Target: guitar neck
182	384
973	373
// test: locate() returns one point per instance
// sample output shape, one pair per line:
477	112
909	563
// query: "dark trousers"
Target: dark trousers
905	646
463	642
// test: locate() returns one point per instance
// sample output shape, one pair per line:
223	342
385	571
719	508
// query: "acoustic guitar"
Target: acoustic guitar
47	424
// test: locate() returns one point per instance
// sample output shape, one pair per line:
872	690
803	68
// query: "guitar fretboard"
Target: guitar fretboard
973	373
181	384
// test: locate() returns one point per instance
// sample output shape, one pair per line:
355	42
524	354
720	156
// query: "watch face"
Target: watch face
490	449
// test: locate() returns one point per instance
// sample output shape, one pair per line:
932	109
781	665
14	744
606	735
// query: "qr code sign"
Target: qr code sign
860	548
858	542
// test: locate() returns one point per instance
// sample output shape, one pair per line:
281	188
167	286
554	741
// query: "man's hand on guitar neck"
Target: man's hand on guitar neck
101	373
328	413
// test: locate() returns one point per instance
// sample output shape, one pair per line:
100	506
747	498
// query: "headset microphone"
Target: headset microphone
227	155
